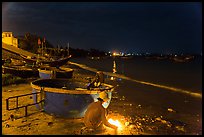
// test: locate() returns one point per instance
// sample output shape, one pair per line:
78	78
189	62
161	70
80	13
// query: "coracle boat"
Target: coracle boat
20	71
52	72
67	97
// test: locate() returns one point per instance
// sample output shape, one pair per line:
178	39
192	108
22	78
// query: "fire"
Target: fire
116	123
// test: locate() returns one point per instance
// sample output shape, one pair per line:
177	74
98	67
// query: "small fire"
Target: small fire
116	122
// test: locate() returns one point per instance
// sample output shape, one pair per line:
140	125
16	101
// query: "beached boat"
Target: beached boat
52	63
57	63
28	59
53	72
20	71
17	62
67	97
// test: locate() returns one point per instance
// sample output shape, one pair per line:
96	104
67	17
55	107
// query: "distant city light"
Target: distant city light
123	54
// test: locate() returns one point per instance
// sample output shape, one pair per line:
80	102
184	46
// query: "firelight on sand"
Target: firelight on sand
115	122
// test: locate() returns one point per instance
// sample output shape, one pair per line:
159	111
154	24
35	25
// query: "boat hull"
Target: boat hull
20	71
66	97
54	63
48	73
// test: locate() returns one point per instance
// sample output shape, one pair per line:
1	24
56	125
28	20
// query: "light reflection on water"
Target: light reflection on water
114	67
114	70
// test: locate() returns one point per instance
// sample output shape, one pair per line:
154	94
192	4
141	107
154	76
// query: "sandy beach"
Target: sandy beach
136	116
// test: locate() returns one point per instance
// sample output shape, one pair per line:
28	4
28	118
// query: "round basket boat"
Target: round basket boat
51	72
67	97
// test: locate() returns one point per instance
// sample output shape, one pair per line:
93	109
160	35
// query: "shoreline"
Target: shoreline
173	89
137	119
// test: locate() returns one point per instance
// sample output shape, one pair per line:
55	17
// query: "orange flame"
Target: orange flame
115	122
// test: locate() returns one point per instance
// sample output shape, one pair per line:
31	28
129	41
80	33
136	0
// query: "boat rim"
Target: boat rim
68	91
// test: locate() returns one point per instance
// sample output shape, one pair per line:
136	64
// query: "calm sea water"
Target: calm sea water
157	84
186	76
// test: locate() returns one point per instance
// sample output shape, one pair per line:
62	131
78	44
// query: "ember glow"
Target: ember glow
115	122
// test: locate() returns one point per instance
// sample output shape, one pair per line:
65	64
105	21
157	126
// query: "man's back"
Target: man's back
94	115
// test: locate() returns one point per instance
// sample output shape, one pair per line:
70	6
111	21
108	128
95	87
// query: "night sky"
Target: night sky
112	26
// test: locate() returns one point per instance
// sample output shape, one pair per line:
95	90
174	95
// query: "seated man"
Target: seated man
95	116
99	78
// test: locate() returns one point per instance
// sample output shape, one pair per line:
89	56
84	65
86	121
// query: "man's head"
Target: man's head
100	77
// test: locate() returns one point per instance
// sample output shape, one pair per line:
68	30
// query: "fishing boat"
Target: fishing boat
53	72
17	62
67	97
52	63
29	59
57	63
20	71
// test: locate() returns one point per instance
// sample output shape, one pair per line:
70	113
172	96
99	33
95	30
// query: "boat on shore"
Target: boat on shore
53	72
17	62
29	59
20	71
58	63
50	62
67	97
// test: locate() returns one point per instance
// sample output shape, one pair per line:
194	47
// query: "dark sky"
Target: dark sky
128	27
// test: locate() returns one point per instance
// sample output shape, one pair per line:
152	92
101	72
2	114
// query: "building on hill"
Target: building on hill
7	38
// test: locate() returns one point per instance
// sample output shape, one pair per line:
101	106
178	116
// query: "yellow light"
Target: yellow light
116	123
114	54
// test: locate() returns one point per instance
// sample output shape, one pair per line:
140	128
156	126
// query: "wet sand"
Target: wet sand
140	112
